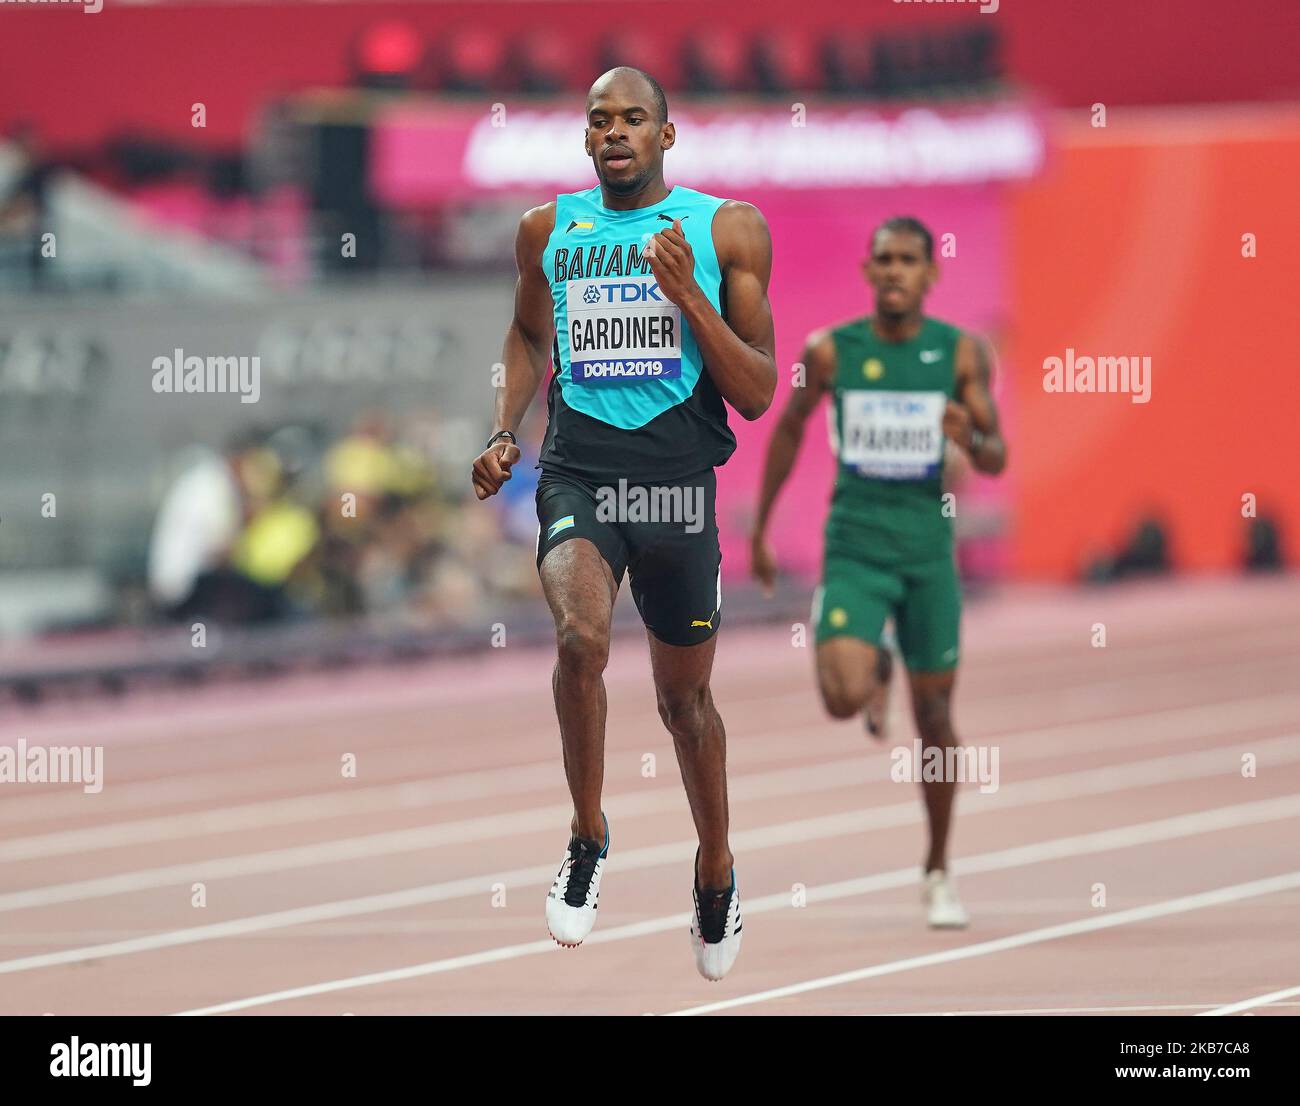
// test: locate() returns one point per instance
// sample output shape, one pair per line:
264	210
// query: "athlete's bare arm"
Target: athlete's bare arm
738	346
527	348
975	410
819	376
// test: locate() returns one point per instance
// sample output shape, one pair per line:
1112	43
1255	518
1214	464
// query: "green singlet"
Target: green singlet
889	545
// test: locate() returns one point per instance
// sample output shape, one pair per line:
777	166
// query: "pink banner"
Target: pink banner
426	153
819	243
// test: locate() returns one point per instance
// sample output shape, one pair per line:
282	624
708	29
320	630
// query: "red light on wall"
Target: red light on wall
389	48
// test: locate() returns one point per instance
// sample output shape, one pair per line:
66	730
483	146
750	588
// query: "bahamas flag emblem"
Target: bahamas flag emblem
583	226
560	524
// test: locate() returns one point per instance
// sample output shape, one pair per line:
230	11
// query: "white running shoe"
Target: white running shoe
571	904
940	897
715	929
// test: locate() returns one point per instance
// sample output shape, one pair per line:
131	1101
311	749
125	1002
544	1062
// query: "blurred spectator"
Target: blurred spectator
654	53
279	527
200	515
364	553
715	61
543	60
24	202
1263	546
843	65
269	556
221	539
783	62
1146	553
472	59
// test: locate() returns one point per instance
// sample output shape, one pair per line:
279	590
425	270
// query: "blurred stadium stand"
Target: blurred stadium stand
325	120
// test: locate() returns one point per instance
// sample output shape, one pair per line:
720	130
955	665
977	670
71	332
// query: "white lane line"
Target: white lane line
1058	1010
1039	743
1166	829
178	787
359	693
785	782
341	802
1251	1003
1221	896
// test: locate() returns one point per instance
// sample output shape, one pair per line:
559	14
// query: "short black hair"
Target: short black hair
656	89
906	224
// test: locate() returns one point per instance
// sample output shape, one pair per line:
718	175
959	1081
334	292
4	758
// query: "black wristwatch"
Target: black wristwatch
499	435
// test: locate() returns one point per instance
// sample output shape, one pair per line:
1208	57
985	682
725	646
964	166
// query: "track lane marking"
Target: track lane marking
1166	829
1220	896
1250	1003
1039	743
1077	784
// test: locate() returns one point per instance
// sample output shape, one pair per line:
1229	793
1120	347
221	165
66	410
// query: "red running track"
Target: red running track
228	865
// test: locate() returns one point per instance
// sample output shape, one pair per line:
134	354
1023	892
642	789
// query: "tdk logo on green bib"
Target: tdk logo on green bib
622	328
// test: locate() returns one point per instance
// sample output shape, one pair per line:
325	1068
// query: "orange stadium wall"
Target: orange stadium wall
1131	244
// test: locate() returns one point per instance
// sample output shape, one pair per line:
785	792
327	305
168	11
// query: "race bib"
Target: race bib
622	328
893	435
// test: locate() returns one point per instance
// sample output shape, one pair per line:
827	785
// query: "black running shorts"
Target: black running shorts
665	535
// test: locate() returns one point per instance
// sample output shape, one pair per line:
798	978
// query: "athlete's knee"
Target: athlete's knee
842	697
934	718
840	703
685	712
583	646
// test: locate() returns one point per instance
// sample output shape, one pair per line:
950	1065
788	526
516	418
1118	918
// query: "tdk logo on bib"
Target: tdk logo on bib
622	329
622	292
893	435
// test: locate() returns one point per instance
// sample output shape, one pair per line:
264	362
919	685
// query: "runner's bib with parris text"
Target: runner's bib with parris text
886	424
893	435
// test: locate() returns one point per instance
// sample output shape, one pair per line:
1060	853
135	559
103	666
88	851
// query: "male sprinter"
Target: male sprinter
900	383
652	303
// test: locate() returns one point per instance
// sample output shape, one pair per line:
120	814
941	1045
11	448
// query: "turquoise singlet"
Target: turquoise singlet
629	396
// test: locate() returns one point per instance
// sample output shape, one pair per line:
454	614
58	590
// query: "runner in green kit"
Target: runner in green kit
901	386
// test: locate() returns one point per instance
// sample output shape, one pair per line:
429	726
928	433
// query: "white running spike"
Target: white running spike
943	906
569	922
714	959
